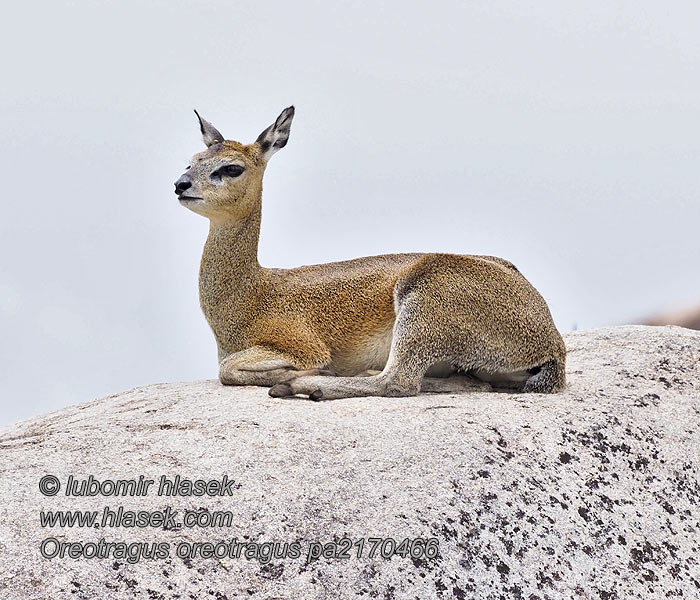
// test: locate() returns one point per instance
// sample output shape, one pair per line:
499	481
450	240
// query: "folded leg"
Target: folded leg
262	366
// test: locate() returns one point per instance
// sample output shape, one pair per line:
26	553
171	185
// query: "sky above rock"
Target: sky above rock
564	138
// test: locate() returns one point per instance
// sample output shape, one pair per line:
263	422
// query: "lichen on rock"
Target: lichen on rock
591	493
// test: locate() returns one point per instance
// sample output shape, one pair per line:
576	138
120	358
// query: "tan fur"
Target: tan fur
399	314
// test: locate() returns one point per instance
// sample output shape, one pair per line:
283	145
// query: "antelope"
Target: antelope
390	325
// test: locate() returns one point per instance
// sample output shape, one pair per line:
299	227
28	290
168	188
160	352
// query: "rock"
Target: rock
592	493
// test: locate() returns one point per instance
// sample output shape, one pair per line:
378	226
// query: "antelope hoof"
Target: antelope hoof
316	396
281	390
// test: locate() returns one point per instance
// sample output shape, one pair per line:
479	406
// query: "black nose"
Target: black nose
181	185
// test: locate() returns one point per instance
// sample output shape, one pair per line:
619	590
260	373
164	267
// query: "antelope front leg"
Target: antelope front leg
261	366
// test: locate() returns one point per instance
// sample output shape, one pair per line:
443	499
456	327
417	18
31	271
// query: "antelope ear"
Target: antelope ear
210	134
276	135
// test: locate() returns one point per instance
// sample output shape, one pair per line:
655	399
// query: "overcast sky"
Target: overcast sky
562	136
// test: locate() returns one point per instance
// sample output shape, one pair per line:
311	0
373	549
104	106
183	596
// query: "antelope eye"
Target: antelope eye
232	170
226	171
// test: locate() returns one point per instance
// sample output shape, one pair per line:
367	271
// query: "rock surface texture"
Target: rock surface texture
592	493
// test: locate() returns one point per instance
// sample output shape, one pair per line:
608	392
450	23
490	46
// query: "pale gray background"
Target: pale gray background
563	136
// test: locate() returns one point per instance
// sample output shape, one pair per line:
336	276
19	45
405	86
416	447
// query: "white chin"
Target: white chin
194	204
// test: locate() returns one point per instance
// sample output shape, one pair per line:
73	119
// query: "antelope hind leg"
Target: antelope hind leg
332	388
442	385
399	378
323	388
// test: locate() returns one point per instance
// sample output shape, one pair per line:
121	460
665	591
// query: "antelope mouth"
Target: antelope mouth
189	198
